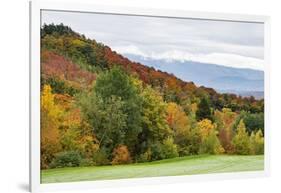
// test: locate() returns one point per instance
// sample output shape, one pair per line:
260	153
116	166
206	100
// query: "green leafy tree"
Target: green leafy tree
57	30
106	117
66	159
116	82
241	140
114	109
170	149
253	121
211	144
193	141
163	150
154	123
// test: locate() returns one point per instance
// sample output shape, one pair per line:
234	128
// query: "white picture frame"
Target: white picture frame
35	15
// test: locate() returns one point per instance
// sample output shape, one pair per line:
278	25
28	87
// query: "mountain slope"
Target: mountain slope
90	58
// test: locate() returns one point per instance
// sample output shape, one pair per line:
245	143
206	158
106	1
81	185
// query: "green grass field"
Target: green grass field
204	164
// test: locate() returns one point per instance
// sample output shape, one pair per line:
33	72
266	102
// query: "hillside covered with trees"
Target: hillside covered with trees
100	108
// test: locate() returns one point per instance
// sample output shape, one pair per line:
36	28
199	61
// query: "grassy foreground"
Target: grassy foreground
169	167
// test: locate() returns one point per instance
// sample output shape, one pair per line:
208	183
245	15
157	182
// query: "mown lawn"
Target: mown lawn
170	167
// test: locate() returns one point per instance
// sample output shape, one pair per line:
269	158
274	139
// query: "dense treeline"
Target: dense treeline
99	108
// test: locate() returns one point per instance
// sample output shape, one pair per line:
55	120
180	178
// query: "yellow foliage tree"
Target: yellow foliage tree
177	119
209	140
50	121
205	127
75	133
257	143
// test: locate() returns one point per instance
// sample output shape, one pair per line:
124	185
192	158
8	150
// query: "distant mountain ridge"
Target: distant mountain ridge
257	94
237	80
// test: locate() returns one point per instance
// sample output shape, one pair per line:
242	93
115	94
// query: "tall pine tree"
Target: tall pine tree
204	110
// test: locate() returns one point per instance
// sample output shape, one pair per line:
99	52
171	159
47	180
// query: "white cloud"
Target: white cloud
230	60
224	59
131	49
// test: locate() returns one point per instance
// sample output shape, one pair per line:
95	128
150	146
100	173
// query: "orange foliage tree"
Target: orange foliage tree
225	120
121	155
179	122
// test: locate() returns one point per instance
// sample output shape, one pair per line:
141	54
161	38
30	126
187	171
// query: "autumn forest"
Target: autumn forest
100	108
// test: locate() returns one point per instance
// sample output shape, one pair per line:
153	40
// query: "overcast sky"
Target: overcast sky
234	44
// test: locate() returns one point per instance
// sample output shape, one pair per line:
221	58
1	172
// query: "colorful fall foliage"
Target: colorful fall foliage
100	108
